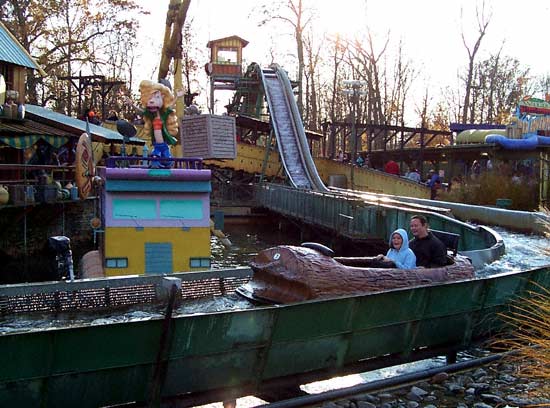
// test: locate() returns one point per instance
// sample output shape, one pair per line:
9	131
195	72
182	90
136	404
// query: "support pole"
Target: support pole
159	373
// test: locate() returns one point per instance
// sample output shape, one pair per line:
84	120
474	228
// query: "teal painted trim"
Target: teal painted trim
116	262
159	186
159	173
181	209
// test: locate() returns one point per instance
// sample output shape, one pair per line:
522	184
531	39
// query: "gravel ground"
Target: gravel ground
493	386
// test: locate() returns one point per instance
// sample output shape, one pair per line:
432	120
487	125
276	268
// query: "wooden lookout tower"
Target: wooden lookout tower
225	66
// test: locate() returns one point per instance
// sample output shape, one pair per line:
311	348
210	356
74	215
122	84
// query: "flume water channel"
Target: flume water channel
522	252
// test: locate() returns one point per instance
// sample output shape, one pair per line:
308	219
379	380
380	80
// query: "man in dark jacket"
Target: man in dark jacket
429	250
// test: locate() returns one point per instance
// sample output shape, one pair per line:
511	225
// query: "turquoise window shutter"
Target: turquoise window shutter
182	209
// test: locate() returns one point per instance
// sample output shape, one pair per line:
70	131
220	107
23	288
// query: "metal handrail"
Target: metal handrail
194	163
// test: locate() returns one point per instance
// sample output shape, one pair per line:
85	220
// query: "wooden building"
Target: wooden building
225	66
226	56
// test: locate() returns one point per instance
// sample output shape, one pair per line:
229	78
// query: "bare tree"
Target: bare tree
313	54
366	65
422	110
403	76
483	21
500	82
542	85
338	51
298	17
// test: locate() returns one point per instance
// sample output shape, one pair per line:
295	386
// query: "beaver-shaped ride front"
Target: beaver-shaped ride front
288	274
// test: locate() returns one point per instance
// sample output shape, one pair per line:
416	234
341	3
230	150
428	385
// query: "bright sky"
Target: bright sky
430	31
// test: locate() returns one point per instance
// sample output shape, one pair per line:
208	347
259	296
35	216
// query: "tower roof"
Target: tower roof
244	43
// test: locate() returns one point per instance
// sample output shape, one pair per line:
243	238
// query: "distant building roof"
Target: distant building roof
73	125
459	127
244	43
12	51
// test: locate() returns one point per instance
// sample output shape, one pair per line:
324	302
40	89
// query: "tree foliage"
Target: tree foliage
98	37
69	37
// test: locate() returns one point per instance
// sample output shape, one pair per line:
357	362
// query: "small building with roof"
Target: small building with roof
226	56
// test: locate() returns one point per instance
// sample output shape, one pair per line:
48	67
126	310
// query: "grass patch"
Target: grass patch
529	320
488	187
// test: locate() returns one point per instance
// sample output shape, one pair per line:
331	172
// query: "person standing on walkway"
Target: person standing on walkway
392	167
434	183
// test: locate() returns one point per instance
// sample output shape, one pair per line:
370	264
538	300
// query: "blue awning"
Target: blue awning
76	126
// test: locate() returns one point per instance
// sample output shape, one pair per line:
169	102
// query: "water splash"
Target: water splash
523	252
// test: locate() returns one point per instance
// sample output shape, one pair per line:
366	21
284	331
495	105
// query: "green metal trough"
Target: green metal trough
358	217
226	354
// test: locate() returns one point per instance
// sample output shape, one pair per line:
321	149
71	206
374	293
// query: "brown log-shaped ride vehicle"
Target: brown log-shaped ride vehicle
288	274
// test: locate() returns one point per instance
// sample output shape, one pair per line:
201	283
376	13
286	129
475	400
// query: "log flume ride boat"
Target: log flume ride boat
196	358
288	274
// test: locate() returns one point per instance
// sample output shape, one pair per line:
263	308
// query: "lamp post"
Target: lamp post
353	89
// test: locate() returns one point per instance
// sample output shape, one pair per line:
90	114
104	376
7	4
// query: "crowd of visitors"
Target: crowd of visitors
435	179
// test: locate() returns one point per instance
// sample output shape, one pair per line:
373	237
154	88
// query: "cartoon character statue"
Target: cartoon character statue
159	118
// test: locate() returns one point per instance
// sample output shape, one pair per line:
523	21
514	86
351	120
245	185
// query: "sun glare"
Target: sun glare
345	18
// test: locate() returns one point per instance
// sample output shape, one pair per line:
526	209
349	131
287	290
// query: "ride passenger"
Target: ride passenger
399	251
429	250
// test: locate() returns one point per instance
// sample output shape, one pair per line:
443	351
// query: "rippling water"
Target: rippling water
522	252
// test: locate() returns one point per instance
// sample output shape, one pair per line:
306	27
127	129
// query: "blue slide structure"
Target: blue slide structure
529	111
528	142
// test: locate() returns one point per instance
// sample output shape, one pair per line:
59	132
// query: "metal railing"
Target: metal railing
193	163
358	218
115	292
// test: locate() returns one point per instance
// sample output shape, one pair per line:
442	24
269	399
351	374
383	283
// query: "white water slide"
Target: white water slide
289	131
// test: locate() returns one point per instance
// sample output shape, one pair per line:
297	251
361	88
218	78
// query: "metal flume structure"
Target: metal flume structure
289	130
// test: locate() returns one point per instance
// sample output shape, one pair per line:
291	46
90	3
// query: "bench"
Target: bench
450	239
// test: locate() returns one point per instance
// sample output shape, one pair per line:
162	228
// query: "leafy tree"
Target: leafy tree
70	36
